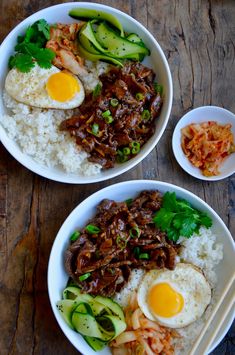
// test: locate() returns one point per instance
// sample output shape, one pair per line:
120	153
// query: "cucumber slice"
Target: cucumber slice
84	14
99	309
111	324
71	292
86	324
87	31
133	37
83	308
112	305
95	344
86	43
117	46
94	57
66	308
83	297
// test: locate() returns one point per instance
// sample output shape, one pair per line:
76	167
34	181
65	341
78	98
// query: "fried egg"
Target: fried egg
45	88
174	298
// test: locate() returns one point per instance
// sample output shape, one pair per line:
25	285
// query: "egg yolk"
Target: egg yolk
62	86
164	301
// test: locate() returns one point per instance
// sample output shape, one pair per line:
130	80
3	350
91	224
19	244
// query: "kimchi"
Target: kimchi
207	144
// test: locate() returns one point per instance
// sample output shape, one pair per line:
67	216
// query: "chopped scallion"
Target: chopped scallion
121	242
135	147
129	201
84	276
95	129
139	96
90	228
109	119
126	151
75	236
114	102
144	256
97	91
121	158
145	115
136	251
106	113
135	232
158	88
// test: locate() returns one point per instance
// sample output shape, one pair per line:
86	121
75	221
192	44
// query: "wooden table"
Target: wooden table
198	40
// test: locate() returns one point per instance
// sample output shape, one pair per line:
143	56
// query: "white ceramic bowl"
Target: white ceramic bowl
203	114
57	277
157	60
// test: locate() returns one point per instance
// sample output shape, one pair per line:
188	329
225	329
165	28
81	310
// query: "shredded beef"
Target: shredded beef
126	232
133	87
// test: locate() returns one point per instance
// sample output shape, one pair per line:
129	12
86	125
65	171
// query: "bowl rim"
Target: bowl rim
195	172
73	178
118	186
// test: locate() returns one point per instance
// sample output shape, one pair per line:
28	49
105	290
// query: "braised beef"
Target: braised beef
133	116
127	238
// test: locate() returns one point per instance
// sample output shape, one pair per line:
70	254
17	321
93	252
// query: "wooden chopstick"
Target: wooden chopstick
197	344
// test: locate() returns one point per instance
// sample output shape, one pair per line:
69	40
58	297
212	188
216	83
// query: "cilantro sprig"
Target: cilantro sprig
30	48
178	218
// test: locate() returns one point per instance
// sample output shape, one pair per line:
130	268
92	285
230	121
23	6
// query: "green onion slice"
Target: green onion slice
136	251
97	91
106	113
144	256
121	158
114	102
121	242
95	129
139	96
158	88
84	276
135	232
145	115
126	151
90	228
129	201
135	147
75	236
108	119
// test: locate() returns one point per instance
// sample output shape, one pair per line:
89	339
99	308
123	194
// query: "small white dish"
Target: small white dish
198	115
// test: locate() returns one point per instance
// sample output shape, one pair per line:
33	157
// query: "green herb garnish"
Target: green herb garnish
95	129
144	256
75	236
97	91
135	232
129	201
139	96
30	48
158	88
114	102
135	147
90	228
178	218
84	276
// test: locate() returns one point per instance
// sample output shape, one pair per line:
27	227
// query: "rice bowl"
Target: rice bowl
123	191
58	172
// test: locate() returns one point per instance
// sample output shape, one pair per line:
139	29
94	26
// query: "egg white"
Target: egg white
30	88
185	279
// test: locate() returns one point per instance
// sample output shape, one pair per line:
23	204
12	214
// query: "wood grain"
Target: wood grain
198	40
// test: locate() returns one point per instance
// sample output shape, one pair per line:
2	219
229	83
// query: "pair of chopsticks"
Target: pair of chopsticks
202	344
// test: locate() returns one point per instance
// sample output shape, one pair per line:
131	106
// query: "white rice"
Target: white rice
37	132
203	251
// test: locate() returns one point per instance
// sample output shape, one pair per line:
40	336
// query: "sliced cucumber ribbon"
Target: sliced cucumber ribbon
99	319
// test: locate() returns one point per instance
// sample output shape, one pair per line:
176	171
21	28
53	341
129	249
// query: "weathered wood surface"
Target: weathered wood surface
198	40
